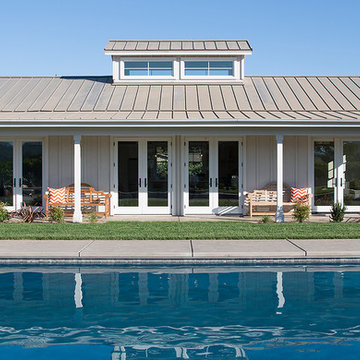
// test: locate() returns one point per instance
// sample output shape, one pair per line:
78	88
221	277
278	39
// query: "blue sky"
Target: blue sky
67	37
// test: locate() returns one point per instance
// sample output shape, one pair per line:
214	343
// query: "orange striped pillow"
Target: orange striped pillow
56	196
298	194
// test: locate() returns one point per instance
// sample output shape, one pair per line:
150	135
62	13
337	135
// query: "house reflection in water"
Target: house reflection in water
175	312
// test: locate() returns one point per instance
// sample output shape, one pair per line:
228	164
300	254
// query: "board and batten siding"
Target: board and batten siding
260	161
95	162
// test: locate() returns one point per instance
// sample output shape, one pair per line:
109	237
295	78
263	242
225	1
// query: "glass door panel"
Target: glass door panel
324	173
198	173
351	175
157	173
128	173
228	168
31	182
6	173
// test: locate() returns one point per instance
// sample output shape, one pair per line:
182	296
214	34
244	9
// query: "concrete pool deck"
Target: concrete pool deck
178	251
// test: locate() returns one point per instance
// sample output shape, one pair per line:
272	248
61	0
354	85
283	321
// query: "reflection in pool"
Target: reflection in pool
304	312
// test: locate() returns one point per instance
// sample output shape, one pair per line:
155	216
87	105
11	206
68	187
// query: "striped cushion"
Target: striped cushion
298	194
56	196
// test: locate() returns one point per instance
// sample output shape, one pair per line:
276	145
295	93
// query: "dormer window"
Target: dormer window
178	61
148	68
208	68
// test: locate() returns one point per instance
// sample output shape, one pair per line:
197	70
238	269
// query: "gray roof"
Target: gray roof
260	97
178	45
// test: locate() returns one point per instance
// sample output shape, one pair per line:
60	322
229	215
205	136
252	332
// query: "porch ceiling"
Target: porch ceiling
260	98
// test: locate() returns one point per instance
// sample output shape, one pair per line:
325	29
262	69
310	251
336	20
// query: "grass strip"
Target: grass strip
133	230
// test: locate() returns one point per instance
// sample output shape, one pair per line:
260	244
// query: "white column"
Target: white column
279	217
77	217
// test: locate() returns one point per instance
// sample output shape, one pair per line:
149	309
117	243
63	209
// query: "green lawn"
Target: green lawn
180	230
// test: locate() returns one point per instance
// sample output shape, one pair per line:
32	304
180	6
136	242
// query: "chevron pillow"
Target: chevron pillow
56	196
298	194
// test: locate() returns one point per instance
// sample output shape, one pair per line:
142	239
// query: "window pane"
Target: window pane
160	65
228	173
351	166
221	72
199	173
136	72
196	64
157	153
324	172
128	173
6	173
221	64
160	72
32	173
135	64
196	72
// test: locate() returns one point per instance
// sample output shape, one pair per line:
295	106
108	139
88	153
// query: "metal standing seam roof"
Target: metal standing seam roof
178	45
260	97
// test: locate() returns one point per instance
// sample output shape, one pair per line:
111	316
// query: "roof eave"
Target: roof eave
178	53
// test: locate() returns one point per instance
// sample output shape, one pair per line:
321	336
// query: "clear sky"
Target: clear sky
289	37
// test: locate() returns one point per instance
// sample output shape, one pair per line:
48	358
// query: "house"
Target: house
180	129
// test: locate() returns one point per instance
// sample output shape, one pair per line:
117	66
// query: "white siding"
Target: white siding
260	161
61	161
95	161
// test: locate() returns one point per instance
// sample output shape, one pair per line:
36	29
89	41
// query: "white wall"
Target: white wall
260	161
95	169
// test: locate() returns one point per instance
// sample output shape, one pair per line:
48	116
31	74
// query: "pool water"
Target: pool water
300	312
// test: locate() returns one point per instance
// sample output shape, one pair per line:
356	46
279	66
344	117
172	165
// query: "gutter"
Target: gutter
216	123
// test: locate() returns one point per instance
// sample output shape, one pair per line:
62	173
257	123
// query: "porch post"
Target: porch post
279	217
77	217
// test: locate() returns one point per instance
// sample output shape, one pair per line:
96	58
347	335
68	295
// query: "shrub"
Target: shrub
93	219
337	212
265	220
57	214
301	212
28	214
4	215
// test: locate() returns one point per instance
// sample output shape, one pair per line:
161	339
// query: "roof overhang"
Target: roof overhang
191	53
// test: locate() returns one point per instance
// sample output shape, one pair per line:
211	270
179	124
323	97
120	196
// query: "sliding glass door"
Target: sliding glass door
21	173
336	174
212	176
143	177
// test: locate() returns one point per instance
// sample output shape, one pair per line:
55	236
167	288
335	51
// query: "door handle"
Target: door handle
19	182
14	182
145	182
341	182
216	182
210	182
139	182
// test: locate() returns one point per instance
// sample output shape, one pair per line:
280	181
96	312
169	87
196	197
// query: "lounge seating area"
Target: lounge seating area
264	201
92	201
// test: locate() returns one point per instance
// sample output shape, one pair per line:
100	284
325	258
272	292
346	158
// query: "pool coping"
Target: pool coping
114	252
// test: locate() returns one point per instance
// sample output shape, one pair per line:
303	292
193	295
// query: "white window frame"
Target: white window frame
148	77
236	69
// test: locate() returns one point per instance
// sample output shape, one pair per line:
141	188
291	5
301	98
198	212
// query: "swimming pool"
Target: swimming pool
289	312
